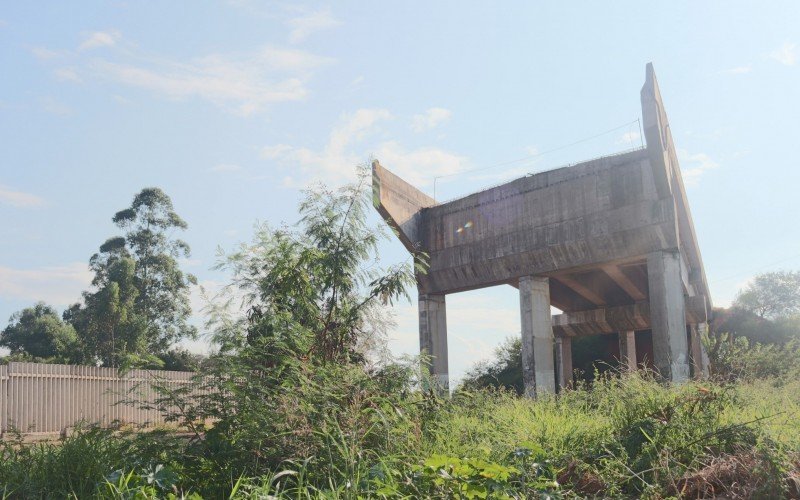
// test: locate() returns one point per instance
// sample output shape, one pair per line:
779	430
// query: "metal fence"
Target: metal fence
42	399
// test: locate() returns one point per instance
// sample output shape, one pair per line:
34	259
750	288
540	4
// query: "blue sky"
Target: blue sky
233	107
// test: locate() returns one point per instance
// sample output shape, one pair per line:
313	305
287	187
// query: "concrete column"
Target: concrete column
702	331
538	372
564	362
627	350
668	315
695	349
433	339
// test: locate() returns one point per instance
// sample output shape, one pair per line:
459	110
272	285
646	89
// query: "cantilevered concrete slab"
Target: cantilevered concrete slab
611	240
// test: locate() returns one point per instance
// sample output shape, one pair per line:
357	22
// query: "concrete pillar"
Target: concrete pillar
695	351
433	339
538	372
668	315
564	362
702	331
627	350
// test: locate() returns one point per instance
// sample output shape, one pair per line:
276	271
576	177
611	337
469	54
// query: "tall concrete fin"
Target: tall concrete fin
657	133
668	179
399	203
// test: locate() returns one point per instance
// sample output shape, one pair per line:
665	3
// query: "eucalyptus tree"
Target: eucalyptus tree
163	288
139	303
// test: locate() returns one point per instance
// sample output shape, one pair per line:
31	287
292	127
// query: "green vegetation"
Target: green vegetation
299	403
138	306
347	433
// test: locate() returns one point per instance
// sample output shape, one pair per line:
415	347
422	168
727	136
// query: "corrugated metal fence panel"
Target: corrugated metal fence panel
43	398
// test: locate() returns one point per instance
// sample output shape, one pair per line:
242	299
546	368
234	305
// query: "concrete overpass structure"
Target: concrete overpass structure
610	242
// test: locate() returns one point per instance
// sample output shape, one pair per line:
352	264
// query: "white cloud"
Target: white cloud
336	161
99	39
694	166
309	23
419	166
225	167
739	70
244	84
67	75
787	54
19	199
43	53
58	285
430	119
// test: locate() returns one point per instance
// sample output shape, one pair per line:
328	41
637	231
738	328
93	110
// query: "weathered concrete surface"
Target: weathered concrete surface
433	338
668	315
606	320
537	336
399	203
627	350
600	211
613	239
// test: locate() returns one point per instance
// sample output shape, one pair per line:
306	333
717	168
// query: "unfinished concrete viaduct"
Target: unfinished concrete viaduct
610	242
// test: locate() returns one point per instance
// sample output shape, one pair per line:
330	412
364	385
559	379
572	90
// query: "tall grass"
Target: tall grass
626	437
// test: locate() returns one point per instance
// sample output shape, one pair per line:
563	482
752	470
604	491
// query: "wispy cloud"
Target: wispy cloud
57	285
430	119
19	199
309	23
787	54
99	39
43	53
244	84
694	166
336	161
67	75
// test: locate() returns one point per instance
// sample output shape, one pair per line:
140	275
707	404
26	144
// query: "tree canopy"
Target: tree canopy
771	295
38	334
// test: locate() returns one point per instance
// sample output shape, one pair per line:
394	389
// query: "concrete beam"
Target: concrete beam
400	205
538	372
618	318
564	362
581	289
627	350
668	316
433	339
622	280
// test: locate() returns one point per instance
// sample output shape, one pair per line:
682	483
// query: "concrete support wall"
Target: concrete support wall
538	372
564	362
433	338
627	350
668	316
